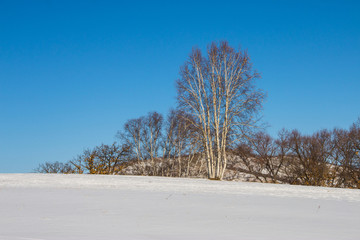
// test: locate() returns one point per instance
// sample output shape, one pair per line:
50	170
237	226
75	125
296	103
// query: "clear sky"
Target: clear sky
72	72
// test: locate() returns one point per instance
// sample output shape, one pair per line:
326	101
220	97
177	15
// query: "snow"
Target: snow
46	206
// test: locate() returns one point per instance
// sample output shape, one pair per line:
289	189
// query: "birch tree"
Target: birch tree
180	142
143	137
151	137
218	90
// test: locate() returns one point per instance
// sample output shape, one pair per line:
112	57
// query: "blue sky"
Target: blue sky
72	72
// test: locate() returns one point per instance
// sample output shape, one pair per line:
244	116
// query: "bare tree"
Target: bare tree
151	137
312	154
131	135
346	157
218	90
55	167
262	156
86	162
103	159
110	158
181	142
355	139
270	154
143	138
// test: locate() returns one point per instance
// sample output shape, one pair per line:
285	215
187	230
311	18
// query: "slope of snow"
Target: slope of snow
45	206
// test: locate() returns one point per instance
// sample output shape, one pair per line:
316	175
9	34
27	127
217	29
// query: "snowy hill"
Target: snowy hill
87	207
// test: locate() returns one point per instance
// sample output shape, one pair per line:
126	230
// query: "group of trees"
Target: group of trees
325	158
104	159
173	147
148	145
161	147
214	127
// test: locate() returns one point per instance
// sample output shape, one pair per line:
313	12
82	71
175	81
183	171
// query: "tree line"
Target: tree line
214	132
153	146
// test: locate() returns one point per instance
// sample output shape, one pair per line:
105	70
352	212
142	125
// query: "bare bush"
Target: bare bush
55	167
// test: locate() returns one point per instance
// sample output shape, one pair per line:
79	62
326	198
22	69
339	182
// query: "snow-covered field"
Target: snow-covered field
87	207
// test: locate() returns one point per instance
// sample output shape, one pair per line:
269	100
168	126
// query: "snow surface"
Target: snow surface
89	207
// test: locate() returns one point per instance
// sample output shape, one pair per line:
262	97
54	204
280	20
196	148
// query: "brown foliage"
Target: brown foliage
104	159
